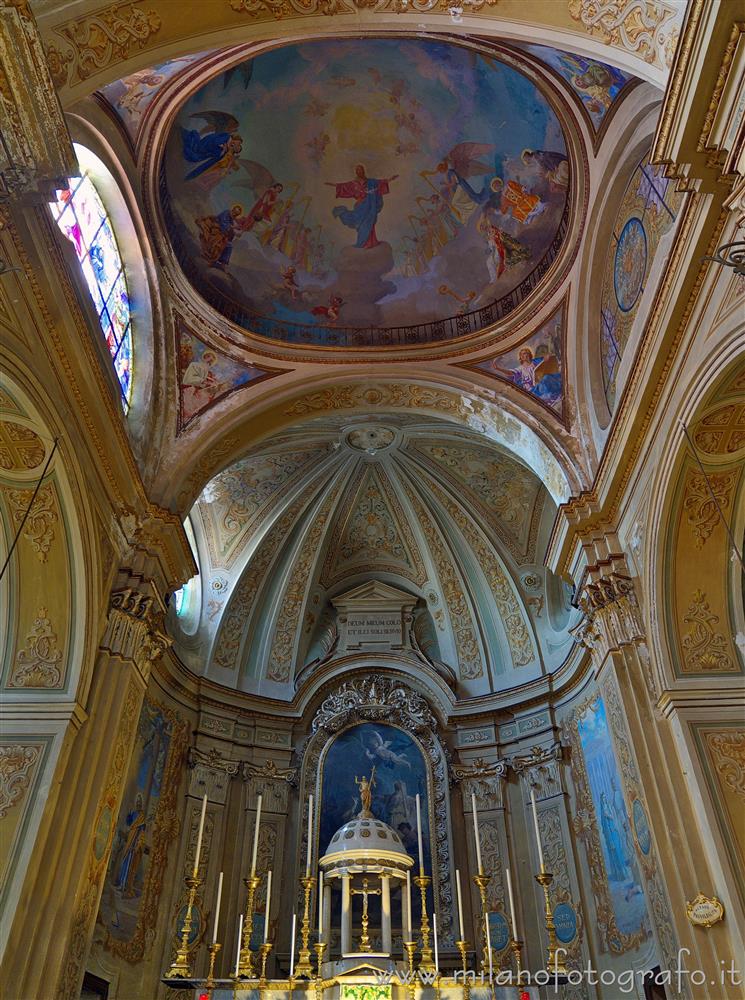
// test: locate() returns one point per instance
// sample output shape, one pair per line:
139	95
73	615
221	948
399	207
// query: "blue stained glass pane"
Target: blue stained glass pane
105	258
89	209
118	306
123	363
108	332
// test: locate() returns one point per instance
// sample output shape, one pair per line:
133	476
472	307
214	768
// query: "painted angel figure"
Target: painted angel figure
215	148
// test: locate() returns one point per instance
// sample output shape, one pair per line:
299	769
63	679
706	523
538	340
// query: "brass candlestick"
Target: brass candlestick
410	947
482	881
180	966
303	969
264	953
246	959
214	948
516	947
428	961
319	948
553	965
463	949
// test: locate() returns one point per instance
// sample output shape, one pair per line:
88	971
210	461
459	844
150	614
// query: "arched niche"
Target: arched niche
45	593
385	698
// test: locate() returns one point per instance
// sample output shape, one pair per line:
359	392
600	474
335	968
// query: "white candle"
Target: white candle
256	837
476	833
488	945
320	907
217	908
512	902
199	836
408	906
268	905
292	944
419	834
537	831
310	836
238	952
460	906
437	948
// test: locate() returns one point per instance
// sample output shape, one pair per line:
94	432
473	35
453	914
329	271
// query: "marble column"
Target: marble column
346	914
385	907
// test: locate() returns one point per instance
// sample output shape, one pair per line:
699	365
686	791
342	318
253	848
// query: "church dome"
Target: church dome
370	202
363	841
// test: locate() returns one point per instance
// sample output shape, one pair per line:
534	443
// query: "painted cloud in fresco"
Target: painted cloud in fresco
366	193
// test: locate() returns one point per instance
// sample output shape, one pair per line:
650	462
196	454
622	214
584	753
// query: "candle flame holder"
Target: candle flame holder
482	881
553	965
246	959
180	968
214	949
428	961
319	947
303	969
410	947
463	949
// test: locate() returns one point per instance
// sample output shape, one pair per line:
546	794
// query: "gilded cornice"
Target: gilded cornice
155	528
36	150
595	509
89	44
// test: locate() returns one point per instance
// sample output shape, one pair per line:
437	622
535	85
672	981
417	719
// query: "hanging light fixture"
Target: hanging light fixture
731	255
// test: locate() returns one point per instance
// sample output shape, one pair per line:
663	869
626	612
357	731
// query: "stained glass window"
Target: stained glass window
81	216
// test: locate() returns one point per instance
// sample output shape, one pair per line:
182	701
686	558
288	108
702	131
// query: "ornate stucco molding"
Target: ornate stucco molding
135	628
36	152
272	783
484	779
540	769
211	774
613	621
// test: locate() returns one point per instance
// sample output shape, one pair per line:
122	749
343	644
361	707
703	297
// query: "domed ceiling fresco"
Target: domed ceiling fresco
376	193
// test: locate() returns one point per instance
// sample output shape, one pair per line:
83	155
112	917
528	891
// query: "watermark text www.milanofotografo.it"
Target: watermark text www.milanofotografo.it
625	981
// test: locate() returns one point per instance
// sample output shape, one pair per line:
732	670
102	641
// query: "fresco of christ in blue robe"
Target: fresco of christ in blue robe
368	202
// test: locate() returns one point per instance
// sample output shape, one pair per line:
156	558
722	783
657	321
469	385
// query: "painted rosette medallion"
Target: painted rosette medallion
367	193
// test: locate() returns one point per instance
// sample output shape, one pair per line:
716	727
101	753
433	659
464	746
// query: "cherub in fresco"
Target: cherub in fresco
215	148
540	376
406	148
317	146
331	311
554	166
289	284
408	121
316	108
139	86
367	193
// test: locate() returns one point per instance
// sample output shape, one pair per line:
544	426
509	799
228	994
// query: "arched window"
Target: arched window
82	217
